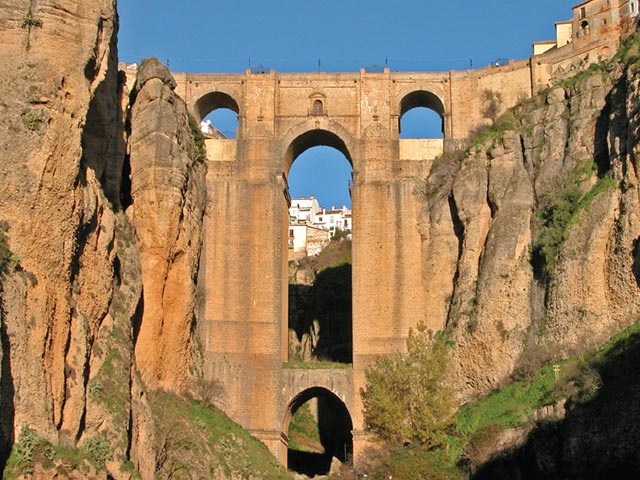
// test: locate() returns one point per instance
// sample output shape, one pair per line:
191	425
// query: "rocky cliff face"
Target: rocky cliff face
533	231
73	281
60	225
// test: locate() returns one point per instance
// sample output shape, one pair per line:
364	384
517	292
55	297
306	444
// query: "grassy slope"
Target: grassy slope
303	432
581	380
194	441
204	442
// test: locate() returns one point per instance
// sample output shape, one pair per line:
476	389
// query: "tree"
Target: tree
406	397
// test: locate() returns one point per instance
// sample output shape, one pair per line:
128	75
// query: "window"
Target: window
318	107
584	25
583	12
290	232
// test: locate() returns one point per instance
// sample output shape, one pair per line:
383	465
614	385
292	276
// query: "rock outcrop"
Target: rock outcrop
533	231
168	195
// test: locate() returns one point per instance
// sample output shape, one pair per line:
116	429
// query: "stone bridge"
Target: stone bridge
244	264
244	261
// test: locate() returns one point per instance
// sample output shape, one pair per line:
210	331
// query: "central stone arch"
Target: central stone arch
314	133
296	141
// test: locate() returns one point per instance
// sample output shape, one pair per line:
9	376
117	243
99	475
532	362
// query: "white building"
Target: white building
335	219
209	130
304	210
311	226
306	240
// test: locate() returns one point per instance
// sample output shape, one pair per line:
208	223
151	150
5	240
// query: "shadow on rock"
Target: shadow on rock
598	438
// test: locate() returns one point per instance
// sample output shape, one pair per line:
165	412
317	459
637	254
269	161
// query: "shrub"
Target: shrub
207	392
98	449
7	259
197	138
28	440
491	101
30	21
31	120
405	397
554	220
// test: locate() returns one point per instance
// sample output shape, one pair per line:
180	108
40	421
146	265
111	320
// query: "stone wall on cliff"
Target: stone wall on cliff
533	231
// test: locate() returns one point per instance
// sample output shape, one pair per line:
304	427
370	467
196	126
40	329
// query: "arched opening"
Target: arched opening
421	116
218	113
319	230
315	138
584	28
319	428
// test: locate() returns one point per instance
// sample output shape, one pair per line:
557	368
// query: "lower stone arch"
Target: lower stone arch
334	423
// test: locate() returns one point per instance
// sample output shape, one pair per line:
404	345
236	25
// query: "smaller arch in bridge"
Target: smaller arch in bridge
222	110
213	101
335	428
422	99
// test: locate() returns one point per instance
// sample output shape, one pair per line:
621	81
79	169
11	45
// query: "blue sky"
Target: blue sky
345	35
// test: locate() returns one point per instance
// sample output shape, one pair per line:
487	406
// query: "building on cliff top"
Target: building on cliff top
593	21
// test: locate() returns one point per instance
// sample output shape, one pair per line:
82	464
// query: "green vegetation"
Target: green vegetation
477	424
31	449
304	435
201	440
109	387
336	254
629	50
30	21
7	259
315	365
406	398
594	69
197	138
98	449
509	407
561	213
490	134
340	235
576	380
32	120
